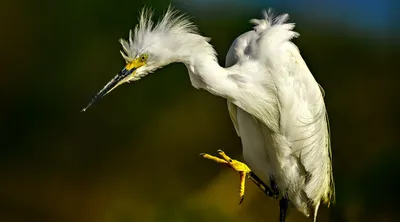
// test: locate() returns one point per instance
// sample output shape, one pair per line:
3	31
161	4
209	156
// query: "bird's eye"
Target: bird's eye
143	57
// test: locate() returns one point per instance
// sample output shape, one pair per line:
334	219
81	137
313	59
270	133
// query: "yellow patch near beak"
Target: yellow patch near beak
135	64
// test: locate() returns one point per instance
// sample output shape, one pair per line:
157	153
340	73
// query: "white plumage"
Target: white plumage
297	153
274	102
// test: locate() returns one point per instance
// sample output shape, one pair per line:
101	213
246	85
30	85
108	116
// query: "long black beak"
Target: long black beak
110	86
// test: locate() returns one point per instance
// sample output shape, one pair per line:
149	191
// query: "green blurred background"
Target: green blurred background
134	155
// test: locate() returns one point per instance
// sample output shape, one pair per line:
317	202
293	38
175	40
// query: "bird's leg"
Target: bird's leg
283	206
264	188
243	170
274	187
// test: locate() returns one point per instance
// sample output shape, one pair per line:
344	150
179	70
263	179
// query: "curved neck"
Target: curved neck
205	72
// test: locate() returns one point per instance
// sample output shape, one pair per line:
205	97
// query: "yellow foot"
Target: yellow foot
237	166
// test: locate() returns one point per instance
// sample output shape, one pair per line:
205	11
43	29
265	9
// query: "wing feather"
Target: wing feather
233	114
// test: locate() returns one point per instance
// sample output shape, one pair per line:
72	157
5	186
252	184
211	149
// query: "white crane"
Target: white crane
274	102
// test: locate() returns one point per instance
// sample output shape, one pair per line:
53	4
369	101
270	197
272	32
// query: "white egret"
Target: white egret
275	104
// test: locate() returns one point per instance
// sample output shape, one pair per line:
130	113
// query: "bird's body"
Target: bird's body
296	155
279	112
274	102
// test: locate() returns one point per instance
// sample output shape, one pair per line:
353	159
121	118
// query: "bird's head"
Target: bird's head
151	46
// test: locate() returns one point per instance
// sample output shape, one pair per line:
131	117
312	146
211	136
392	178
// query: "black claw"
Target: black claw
241	200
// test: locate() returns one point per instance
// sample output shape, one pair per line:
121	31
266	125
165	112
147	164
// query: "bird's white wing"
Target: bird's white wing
303	117
288	100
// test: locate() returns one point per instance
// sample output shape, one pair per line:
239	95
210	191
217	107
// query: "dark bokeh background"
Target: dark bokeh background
134	155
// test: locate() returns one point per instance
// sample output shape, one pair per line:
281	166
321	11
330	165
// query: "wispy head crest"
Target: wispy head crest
147	31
